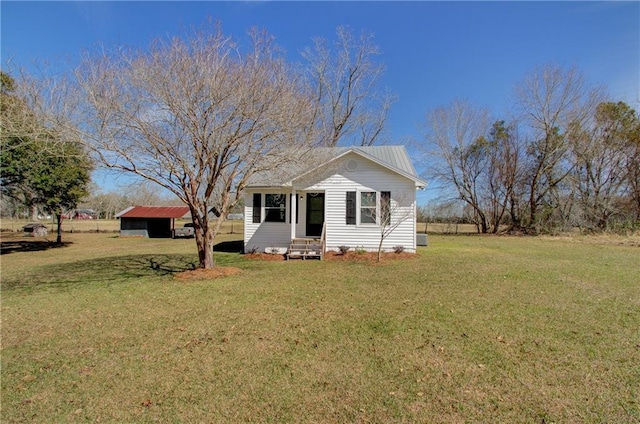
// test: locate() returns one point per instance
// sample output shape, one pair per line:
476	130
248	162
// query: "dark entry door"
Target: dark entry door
315	214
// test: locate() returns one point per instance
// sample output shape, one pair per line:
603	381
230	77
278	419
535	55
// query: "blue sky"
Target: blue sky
434	52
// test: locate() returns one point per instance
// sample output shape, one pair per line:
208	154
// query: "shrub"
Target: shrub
252	250
360	250
398	249
343	249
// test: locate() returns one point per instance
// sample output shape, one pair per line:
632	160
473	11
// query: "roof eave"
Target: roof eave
274	186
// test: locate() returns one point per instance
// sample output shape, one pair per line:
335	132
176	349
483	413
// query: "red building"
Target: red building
150	221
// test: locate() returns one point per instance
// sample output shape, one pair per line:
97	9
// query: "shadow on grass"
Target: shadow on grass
14	246
234	246
104	270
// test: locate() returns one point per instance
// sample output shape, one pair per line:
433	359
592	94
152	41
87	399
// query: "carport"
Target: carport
150	221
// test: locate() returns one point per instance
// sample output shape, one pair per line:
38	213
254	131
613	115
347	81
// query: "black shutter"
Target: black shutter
385	207
351	208
257	207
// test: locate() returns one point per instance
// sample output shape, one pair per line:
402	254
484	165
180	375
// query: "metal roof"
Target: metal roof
154	212
395	158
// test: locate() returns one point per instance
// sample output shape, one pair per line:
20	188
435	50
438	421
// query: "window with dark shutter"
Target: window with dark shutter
385	207
257	207
351	208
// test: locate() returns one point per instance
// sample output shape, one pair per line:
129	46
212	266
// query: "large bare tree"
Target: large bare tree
455	136
504	182
549	99
352	108
605	153
198	115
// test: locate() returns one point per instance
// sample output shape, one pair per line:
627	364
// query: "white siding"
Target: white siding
265	234
368	176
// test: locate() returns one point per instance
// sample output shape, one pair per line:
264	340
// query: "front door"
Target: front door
315	214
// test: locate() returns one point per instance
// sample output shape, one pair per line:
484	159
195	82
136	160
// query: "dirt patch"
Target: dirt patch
206	274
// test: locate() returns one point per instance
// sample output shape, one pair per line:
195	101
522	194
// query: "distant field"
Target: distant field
439	228
113	225
99	225
471	329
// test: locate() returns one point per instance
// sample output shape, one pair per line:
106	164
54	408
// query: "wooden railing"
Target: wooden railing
307	247
323	240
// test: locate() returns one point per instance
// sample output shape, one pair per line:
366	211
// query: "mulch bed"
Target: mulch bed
336	256
368	256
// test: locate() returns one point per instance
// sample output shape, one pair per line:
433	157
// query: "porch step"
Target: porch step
305	248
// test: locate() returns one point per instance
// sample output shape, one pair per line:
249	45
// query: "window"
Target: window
275	207
368	206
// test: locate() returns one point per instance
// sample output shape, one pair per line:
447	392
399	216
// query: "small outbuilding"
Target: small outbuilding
150	221
35	230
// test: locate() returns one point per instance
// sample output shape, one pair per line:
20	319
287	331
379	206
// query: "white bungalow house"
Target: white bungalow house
336	201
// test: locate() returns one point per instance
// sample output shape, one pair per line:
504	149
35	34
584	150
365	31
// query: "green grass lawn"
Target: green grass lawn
473	329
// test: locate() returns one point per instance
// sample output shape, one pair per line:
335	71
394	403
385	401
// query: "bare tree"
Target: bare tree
455	134
504	175
106	205
548	100
19	124
388	214
604	149
633	174
198	116
346	77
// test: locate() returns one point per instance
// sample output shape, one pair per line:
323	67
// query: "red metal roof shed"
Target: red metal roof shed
150	221
154	212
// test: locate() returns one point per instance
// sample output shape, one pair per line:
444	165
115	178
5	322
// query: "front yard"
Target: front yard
474	329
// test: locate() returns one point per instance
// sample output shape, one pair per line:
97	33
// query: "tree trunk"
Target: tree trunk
204	240
482	224
208	253
533	211
204	234
59	221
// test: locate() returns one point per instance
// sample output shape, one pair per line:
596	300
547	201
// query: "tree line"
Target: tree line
568	158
